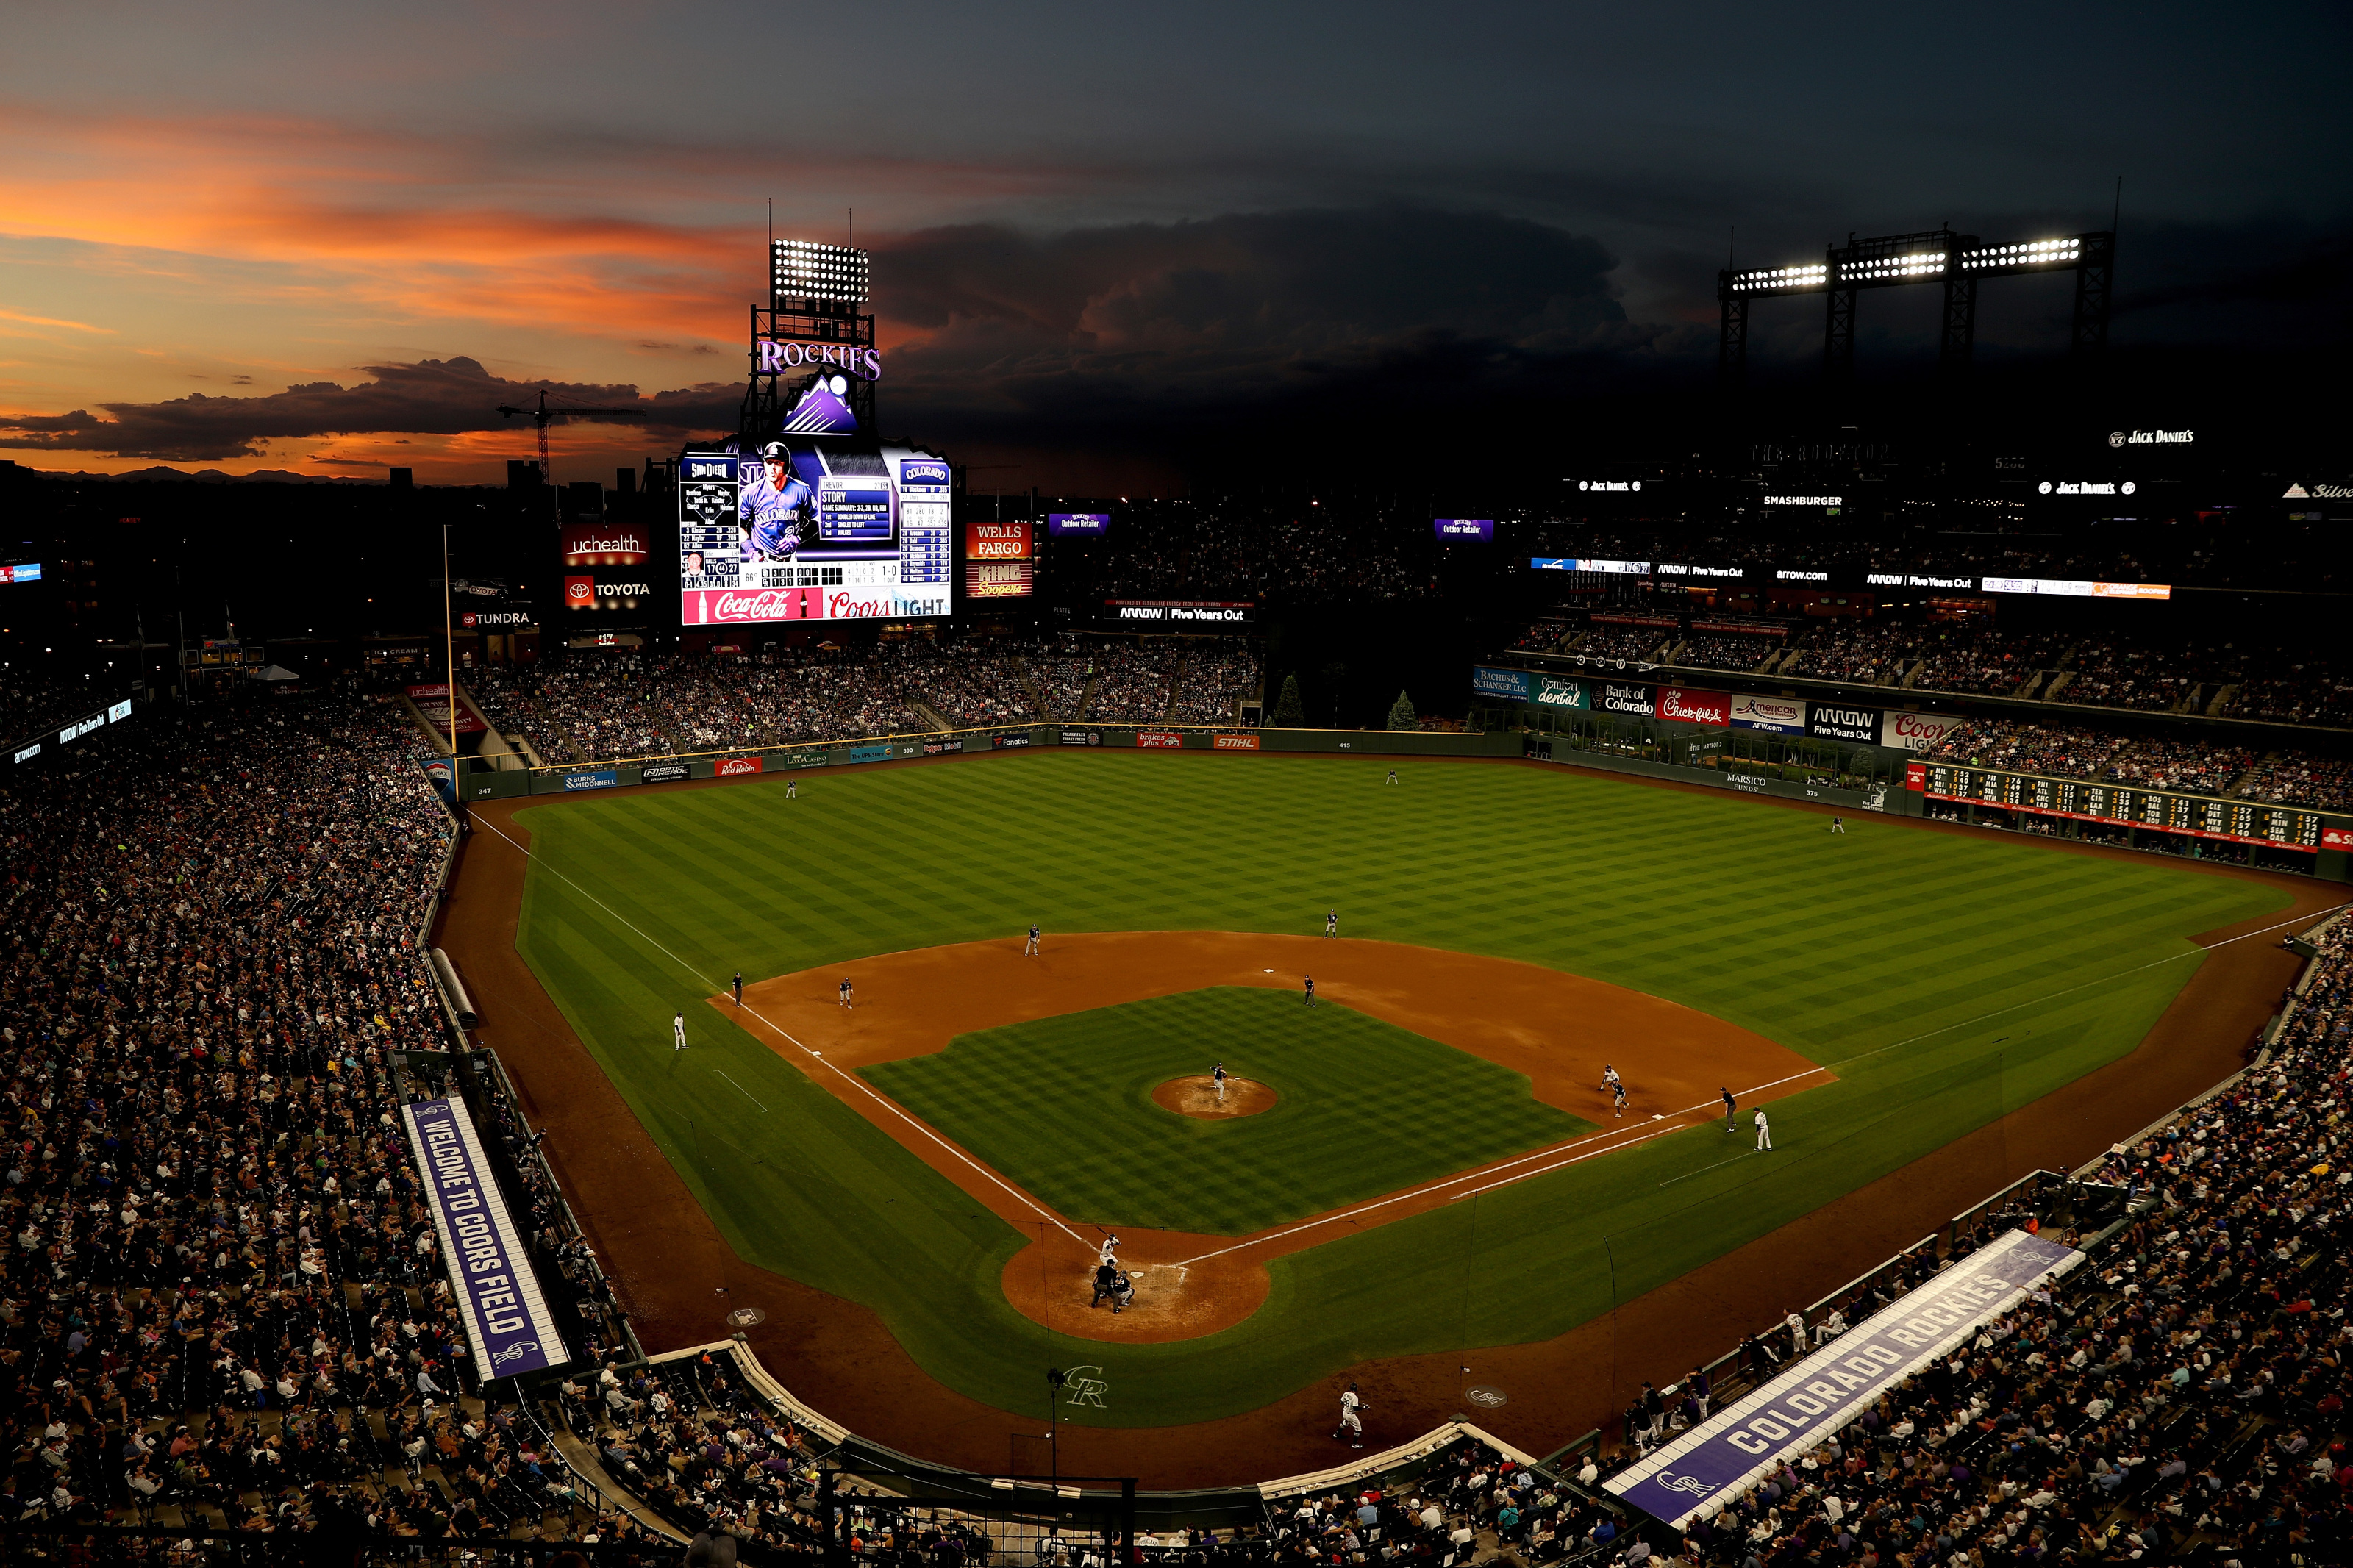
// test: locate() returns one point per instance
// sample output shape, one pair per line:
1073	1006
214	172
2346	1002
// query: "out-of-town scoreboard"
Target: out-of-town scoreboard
2201	816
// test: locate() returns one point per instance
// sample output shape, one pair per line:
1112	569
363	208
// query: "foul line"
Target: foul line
1708	1106
745	1092
818	1057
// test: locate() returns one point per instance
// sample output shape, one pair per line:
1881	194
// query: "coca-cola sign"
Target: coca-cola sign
734	606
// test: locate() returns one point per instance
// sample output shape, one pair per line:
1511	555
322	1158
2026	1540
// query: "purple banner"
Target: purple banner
507	1320
1716	1462
1091	524
1464	527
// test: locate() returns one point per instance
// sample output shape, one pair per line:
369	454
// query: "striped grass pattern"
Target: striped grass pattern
1063	1106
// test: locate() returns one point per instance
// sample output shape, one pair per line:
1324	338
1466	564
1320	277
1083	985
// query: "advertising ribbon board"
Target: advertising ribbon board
1915	732
1773	715
1712	708
664	772
735	767
1552	691
1488	681
938	748
1825	722
1715	1462
508	1322
1159	740
1082	737
1018	738
1619	698
598	778
870	754
1464	527
1233	742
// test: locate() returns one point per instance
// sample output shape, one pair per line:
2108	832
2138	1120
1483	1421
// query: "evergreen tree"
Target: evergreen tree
1288	712
1401	713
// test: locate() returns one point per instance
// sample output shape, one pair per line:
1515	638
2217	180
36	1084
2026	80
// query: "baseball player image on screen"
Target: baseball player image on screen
774	507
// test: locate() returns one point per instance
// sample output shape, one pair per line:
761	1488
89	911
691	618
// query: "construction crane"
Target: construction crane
542	413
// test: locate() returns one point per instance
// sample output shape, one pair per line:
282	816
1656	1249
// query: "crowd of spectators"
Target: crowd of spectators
2073	752
2121	672
1714	652
975	683
223	1295
1217	679
1638	644
1309	553
1134	683
1471	1503
1981	657
1868	653
2299	778
1058	672
1545	635
2299	687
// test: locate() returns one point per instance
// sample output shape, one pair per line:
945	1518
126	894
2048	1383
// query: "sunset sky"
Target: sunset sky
331	238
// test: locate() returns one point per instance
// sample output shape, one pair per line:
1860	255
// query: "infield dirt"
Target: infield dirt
664	1251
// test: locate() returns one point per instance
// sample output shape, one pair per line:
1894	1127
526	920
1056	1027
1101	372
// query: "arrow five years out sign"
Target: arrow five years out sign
1724	1456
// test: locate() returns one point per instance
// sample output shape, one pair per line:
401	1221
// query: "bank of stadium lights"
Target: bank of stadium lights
1919	264
1808	276
2055	252
805	269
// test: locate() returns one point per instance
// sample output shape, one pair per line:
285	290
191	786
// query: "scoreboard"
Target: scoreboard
2201	816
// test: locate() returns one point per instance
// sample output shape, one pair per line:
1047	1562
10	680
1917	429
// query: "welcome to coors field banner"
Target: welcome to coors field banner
1722	1456
507	1320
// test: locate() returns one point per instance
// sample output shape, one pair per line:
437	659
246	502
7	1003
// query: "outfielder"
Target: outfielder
792	787
1838	825
1351	1402
1218	1077
678	1032
1029	950
1332	922
1392	775
1763	1134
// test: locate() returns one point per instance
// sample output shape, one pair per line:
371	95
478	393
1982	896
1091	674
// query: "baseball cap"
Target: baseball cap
777	452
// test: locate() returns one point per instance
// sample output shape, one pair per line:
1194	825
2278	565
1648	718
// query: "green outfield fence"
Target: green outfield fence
479	780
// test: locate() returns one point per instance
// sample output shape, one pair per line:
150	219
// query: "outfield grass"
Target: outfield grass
1948	979
1063	1108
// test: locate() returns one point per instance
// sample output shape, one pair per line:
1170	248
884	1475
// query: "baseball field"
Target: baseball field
1430	1168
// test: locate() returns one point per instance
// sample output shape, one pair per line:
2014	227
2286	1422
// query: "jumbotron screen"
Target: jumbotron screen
813	530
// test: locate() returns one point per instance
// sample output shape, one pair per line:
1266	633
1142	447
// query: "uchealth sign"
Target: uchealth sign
1710	708
1915	732
1773	715
1828	722
1714	1463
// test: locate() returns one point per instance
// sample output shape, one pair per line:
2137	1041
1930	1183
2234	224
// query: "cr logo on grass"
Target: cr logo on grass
1086	1388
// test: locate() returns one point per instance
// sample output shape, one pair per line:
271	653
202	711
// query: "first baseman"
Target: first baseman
1351	1402
1763	1134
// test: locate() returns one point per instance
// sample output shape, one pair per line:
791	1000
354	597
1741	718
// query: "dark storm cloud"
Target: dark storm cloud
1233	317
440	398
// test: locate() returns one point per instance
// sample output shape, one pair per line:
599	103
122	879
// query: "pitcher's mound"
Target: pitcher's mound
1198	1097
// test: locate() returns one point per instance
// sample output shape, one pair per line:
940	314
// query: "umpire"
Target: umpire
1106	1284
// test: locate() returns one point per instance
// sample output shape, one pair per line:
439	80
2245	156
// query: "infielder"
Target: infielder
845	994
1730	1105
1218	1077
678	1032
1763	1134
1619	1090
1350	1423
739	988
1029	950
1311	990
1610	1080
1332	922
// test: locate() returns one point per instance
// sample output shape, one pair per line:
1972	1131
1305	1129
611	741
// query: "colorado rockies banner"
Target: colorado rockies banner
1716	1462
507	1321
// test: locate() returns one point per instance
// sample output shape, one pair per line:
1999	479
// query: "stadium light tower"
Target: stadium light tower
817	297
1957	263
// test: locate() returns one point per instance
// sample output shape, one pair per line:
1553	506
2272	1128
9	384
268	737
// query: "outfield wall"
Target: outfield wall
483	783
